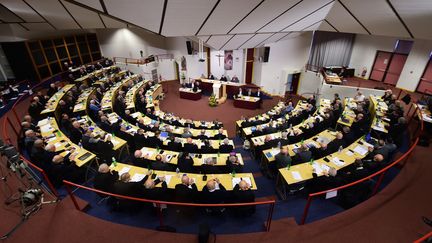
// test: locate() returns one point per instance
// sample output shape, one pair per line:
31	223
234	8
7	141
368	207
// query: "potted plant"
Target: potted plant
213	101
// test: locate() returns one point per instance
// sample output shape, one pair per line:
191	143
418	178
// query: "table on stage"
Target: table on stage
332	78
247	102
189	94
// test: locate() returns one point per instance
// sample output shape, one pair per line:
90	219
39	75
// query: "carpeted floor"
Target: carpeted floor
200	110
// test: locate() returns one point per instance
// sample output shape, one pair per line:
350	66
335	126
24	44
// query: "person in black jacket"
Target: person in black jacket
175	144
243	194
337	143
185	163
104	148
226	147
213	193
105	178
76	132
303	155
206	148
220	134
233	164
64	168
156	193
202	135
186	191
160	164
190	147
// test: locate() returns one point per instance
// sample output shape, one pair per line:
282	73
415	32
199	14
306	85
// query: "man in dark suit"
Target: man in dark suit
186	191
283	159
186	163
303	155
337	143
160	164
242	193
225	147
174	144
202	135
153	192
125	187
76	133
214	193
220	134
190	147
105	178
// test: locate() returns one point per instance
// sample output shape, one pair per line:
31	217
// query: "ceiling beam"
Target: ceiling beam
227	42
358	21
67	10
279	15
163	16
309	14
40	15
284	36
102	3
312	25
400	18
246	16
208	39
328	22
208	16
102	20
20	24
246	41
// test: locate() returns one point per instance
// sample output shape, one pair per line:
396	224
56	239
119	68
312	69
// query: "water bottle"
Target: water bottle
233	173
340	149
80	145
178	172
114	162
312	161
279	144
288	166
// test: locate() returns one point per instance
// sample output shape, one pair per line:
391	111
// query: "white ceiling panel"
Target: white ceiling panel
343	21
23	10
92	3
379	19
417	15
291	35
226	15
275	37
112	23
267	11
312	19
184	17
217	41
86	18
38	26
144	13
237	41
313	27
295	14
55	13
324	26
8	16
256	40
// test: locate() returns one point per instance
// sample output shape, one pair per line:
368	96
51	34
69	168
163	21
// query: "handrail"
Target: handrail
424	238
380	172
68	184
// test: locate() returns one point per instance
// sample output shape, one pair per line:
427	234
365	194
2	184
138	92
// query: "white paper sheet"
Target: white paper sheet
360	150
46	128
296	175
124	170
168	179
338	162
137	177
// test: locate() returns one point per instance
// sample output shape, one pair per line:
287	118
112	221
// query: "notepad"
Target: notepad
237	180
296	175
42	122
338	162
46	128
168	179
349	153
124	170
360	150
146	153
317	168
331	194
137	177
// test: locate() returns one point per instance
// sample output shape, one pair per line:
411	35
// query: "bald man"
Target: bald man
105	178
64	168
126	187
226	147
214	193
189	146
187	190
242	193
338	142
153	192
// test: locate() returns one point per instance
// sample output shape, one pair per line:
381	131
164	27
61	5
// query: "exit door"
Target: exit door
388	67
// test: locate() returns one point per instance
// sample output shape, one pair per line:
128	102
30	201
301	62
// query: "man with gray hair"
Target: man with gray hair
105	178
226	147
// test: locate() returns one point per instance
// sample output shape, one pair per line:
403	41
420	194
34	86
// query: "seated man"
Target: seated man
64	168
283	159
127	188
336	144
235	79
214	193
303	155
190	147
185	163
242	193
139	160
327	181
233	163
175	144
153	192
187	190
220	134
223	78
160	164
105	178
202	135
225	147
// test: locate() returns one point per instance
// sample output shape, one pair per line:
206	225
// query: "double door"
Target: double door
388	67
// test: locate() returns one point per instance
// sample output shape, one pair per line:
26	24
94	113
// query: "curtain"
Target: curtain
330	49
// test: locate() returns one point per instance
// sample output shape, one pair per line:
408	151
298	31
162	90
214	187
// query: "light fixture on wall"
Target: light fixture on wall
201	51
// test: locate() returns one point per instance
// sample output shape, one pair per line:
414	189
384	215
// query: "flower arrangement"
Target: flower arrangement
213	101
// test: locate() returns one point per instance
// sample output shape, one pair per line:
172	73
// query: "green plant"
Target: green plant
213	101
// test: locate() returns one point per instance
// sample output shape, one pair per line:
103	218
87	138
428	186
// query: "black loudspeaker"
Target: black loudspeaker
189	47
266	53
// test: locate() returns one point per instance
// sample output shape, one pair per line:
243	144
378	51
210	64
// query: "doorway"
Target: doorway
387	67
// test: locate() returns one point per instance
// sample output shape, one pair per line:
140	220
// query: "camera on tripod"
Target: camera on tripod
31	197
